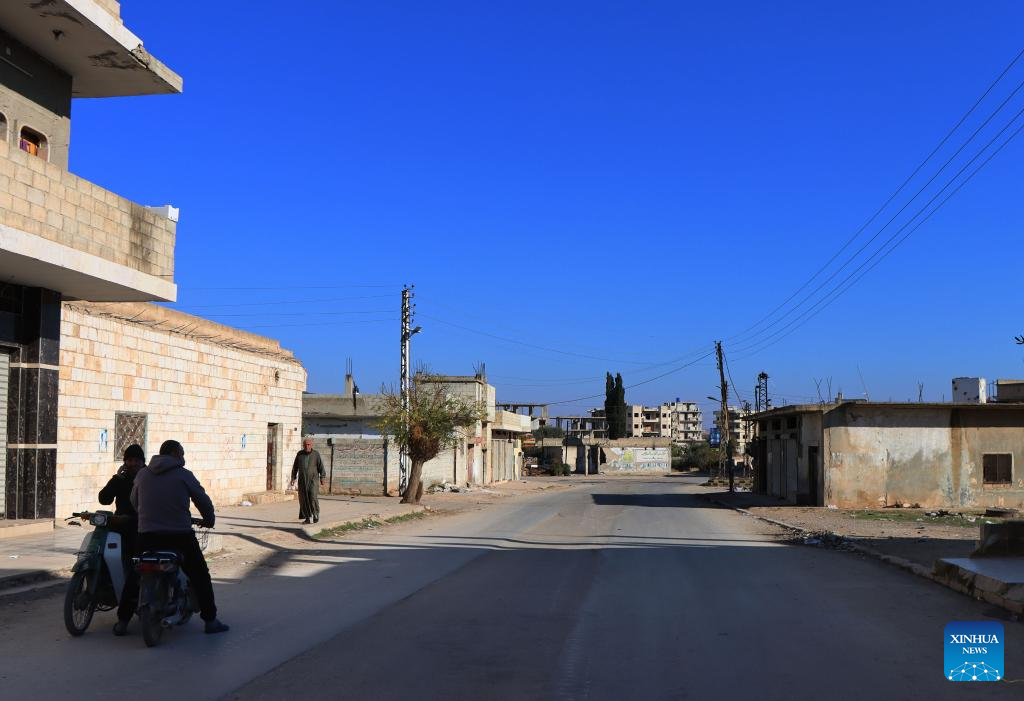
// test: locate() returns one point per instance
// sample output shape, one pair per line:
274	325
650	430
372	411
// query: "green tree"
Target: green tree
615	406
609	405
431	424
620	405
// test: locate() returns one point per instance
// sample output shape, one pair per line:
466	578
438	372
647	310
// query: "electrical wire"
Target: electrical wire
182	306
840	289
895	193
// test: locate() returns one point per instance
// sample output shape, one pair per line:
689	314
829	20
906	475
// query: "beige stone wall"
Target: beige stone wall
111	6
46	200
202	393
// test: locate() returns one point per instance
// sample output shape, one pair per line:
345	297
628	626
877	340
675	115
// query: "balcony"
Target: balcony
66	234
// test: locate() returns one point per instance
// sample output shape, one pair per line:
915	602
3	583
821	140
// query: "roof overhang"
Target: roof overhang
30	260
103	58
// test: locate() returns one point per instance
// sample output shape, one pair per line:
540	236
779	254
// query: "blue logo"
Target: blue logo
974	651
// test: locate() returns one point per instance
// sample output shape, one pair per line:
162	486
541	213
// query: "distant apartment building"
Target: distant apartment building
687	422
741	432
683	422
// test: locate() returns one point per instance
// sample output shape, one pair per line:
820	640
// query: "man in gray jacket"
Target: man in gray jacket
161	495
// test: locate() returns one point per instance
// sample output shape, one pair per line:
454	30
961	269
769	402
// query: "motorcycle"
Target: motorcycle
98	577
165	597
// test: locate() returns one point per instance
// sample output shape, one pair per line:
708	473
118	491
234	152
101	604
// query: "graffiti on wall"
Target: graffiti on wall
640	459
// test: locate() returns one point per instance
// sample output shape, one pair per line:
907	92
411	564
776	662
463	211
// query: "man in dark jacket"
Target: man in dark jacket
307	467
118	492
161	495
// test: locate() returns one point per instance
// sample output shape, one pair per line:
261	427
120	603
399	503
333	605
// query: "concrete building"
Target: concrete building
62	237
592	427
344	430
741	431
871	454
682	422
649	421
687	421
140	373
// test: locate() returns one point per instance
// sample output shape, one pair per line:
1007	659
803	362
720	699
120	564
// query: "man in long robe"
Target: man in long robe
308	467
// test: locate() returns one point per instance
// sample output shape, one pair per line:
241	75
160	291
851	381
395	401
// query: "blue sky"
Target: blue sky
577	187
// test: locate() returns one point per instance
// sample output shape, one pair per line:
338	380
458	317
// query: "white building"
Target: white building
681	421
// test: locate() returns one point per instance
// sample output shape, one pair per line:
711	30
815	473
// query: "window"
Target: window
998	468
791	422
128	429
3	127
32	142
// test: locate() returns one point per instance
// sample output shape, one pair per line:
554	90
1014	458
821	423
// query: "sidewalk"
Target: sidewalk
31	559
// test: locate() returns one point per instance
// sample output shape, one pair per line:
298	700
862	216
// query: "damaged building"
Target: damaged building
867	454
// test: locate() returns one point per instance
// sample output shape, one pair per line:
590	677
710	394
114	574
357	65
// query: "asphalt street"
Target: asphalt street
621	588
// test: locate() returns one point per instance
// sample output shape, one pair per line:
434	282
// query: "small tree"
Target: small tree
430	425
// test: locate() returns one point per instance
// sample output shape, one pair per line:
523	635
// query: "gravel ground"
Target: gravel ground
908	533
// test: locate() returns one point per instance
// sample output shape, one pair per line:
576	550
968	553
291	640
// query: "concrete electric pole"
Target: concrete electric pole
407	333
726	433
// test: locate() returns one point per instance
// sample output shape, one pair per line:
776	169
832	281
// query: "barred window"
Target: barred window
998	468
128	429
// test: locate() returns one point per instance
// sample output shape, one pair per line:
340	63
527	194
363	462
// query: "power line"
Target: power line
913	174
341	313
276	302
904	207
294	287
637	384
322	324
839	290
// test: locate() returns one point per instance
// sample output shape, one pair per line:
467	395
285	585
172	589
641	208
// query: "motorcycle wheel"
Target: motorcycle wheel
152	624
79	605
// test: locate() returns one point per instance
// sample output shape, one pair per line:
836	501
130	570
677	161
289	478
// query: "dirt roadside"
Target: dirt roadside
920	536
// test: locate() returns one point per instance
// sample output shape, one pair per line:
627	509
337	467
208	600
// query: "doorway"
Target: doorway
272	451
812	474
5	370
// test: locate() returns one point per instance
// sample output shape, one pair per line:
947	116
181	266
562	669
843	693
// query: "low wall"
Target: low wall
637	455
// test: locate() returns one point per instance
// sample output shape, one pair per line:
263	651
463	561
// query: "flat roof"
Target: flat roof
80	37
825	408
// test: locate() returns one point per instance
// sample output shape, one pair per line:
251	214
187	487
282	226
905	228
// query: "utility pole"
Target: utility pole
726	424
407	333
761	397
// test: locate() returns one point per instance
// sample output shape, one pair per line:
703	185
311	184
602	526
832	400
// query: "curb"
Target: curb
1014	607
314	528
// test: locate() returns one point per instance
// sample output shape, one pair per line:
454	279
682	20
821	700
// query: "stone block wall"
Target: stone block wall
359	464
206	394
44	199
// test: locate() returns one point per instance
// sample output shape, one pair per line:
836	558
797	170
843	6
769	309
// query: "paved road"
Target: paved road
616	589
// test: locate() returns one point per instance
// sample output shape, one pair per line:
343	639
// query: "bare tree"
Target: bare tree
431	424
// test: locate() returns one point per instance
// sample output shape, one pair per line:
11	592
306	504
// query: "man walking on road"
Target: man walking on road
307	468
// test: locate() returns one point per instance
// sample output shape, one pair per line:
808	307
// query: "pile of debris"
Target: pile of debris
446	488
823	539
